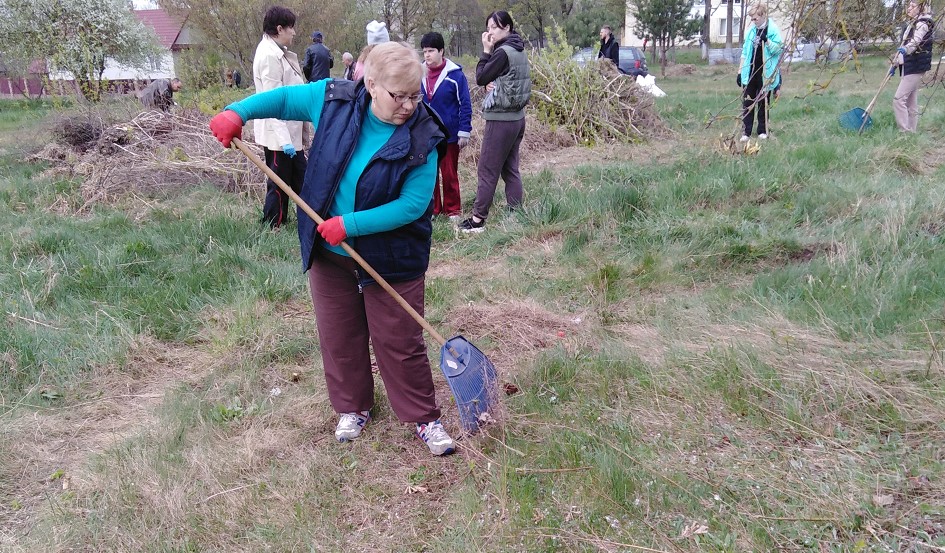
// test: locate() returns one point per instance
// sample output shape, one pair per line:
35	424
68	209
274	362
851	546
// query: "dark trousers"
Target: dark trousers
499	157
755	100
348	319
446	197
292	171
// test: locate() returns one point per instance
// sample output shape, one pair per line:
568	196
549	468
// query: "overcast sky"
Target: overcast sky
144	4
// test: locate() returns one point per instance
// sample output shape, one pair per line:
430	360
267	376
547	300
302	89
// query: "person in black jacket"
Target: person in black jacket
609	47
318	59
914	57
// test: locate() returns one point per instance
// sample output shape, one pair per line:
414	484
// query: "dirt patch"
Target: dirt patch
810	251
680	69
517	330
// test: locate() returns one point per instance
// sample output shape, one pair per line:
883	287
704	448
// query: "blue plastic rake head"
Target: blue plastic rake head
855	119
472	379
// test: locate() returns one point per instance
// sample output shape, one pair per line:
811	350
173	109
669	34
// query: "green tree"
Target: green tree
583	26
76	36
665	21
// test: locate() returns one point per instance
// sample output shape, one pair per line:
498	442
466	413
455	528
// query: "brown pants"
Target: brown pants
347	319
499	157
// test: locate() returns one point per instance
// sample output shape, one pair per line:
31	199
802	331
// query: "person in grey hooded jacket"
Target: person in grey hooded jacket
160	94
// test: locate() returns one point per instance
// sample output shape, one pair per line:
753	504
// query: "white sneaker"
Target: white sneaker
350	425
744	138
436	438
455	219
763	136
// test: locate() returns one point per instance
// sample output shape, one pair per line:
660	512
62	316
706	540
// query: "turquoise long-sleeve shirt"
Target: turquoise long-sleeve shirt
304	103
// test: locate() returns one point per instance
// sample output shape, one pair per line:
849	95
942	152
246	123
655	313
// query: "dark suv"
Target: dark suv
632	60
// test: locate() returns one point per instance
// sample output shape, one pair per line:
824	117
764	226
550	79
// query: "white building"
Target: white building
174	36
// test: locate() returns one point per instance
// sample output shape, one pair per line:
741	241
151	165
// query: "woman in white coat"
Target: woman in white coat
274	65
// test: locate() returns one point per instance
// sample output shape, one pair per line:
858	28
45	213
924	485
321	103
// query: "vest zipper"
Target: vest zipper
357	275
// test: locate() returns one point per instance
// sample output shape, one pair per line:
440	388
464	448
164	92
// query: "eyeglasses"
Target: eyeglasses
403	98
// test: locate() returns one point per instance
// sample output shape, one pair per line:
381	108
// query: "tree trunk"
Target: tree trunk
706	29
729	14
741	25
663	46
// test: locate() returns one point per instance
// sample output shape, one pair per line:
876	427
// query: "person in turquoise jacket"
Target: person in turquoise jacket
759	74
370	175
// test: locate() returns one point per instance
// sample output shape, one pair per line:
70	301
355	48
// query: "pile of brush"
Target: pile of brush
148	151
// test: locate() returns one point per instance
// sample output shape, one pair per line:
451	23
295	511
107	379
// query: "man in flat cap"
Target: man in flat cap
318	59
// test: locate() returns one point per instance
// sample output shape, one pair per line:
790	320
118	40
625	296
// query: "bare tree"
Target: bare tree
233	28
410	18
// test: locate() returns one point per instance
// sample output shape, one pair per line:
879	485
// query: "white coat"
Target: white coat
274	66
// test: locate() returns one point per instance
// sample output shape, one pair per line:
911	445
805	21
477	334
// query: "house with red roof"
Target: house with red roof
174	36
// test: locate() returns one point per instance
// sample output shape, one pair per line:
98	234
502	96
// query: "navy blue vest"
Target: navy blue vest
919	61
400	254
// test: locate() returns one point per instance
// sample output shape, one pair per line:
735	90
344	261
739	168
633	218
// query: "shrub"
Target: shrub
593	103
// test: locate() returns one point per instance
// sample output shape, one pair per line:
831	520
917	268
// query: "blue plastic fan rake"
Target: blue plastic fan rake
470	374
473	380
858	119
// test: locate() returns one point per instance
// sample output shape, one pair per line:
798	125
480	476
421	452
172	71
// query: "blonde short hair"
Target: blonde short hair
391	62
758	8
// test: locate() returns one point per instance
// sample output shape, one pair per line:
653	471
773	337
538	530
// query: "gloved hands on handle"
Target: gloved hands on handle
226	126
333	230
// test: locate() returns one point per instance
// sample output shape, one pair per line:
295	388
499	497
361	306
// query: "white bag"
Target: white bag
648	84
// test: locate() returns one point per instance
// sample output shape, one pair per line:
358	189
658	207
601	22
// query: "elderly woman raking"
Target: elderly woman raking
370	174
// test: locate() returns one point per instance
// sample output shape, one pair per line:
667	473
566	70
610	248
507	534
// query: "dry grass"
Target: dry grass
280	467
50	450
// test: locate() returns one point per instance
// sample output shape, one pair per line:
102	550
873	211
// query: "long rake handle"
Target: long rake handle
869	108
354	255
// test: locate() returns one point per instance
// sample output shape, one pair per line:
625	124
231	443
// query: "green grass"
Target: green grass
715	352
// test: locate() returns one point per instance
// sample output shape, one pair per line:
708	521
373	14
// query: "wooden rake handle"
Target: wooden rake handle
869	108
350	251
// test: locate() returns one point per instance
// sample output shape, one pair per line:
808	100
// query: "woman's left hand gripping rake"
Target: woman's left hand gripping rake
470	374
